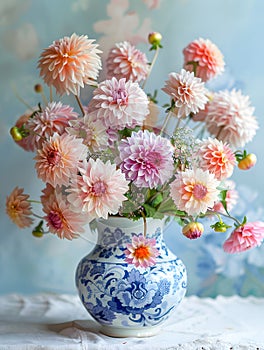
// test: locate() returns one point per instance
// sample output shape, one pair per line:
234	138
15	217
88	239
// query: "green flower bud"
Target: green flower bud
38	230
154	38
16	134
220	226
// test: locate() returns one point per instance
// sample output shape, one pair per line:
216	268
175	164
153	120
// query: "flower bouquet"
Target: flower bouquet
117	157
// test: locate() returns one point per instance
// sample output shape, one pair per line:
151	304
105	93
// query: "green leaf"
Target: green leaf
244	221
157	200
152	212
223	199
167	206
180	221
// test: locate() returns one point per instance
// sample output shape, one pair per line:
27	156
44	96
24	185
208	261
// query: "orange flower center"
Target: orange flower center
219	157
142	252
199	191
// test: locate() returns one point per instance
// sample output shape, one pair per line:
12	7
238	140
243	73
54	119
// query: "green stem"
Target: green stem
151	66
177	125
165	122
33	201
187	122
144	223
80	105
37	216
225	215
21	99
44	98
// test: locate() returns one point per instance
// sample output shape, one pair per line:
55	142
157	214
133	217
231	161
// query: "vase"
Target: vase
129	301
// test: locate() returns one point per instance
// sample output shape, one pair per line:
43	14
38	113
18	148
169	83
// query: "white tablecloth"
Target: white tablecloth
51	322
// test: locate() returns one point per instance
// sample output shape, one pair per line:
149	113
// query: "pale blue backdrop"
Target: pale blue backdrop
29	265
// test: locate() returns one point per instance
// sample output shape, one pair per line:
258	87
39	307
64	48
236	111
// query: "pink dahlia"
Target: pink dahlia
231	197
60	218
125	61
57	160
202	114
18	208
217	157
119	103
70	63
230	118
54	118
146	159
207	56
99	190
92	131
245	237
142	251
194	191
187	91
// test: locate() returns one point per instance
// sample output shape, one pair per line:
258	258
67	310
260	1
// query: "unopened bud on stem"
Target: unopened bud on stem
193	230
154	39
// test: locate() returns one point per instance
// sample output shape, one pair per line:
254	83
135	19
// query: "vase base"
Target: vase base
124	332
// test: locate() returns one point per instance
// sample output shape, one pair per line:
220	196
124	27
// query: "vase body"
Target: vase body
128	300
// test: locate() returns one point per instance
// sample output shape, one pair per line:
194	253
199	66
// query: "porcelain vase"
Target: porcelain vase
128	300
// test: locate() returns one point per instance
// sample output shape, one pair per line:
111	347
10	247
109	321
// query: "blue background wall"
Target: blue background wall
28	264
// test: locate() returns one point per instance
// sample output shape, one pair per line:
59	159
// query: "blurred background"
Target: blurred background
29	264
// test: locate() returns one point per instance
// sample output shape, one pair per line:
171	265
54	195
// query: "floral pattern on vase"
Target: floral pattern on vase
126	300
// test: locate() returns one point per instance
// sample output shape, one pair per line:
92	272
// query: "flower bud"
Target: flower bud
38	88
38	230
248	162
37	234
193	230
220	226
16	134
154	39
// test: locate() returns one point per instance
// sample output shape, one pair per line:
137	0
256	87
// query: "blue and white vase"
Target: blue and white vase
125	300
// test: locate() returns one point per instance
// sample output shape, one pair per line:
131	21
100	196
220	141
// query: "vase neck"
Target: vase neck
119	231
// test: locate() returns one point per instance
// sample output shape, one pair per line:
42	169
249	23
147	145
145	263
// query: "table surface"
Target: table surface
52	321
